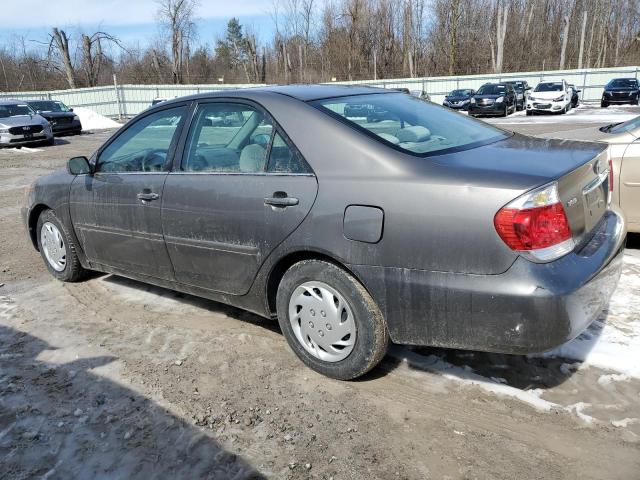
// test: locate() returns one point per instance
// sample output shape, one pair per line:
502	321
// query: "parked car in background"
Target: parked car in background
554	97
575	98
326	228
61	117
493	99
521	87
621	91
623	140
459	99
21	125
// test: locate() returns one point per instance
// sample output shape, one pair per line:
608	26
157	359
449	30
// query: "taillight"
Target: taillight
536	225
610	176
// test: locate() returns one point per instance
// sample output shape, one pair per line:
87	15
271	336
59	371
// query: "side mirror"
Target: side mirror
71	109
79	166
528	88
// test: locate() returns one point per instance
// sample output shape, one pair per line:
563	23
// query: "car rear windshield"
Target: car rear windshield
409	124
15	110
492	89
549	87
49	106
632	126
623	83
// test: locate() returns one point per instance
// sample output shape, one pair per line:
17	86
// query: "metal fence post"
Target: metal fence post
115	89
584	84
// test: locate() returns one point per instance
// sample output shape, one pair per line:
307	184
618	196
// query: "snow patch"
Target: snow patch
578	409
625	422
94	121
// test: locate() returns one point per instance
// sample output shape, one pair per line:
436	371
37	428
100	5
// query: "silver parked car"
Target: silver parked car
420	226
21	125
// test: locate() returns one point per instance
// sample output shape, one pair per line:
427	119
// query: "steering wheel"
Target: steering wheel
153	160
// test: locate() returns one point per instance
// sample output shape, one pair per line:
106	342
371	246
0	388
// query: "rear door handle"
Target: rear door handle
282	202
147	196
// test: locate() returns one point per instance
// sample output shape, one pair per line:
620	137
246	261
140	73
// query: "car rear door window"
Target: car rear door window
228	138
284	158
144	145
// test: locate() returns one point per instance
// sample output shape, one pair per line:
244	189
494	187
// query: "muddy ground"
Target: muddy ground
110	378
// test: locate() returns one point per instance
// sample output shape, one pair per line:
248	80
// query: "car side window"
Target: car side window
144	145
285	159
228	138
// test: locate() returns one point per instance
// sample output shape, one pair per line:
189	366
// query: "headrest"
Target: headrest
416	133
252	158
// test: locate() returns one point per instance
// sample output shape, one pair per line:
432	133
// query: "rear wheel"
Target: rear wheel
604	104
58	249
330	321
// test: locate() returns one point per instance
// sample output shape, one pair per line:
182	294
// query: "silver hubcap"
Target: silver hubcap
322	321
53	246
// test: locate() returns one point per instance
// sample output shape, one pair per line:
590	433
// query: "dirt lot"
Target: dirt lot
111	378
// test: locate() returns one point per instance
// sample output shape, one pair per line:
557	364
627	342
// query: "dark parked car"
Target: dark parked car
621	90
493	99
521	87
21	125
61	117
431	228
459	99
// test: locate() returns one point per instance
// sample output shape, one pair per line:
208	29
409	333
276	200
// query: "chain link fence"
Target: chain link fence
128	100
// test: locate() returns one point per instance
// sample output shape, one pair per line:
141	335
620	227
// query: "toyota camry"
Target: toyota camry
421	226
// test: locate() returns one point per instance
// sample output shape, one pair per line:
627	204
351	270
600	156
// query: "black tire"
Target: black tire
506	111
604	104
529	113
73	271
50	142
372	337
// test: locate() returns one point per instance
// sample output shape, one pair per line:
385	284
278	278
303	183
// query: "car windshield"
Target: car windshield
410	125
549	87
632	126
492	89
15	110
460	93
49	106
623	83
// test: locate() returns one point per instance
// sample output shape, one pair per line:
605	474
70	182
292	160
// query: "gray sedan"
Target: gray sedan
419	226
21	125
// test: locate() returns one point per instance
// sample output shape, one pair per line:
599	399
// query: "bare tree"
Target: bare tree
59	48
178	18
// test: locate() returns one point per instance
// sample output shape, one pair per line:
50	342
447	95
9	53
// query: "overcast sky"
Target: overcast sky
131	20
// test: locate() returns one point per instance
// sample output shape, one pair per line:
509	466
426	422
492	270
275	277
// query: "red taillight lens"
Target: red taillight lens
611	175
533	228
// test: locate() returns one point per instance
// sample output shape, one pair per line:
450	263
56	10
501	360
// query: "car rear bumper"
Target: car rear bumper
529	308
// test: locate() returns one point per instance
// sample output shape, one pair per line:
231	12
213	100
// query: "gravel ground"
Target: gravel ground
111	378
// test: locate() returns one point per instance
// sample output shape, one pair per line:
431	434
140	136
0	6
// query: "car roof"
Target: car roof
12	101
305	93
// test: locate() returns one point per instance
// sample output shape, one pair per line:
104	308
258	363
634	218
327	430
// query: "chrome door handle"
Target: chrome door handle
147	196
281	201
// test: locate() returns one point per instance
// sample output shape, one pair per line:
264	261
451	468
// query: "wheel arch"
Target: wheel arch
283	264
32	222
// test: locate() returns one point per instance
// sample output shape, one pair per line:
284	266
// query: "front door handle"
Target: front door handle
280	199
148	196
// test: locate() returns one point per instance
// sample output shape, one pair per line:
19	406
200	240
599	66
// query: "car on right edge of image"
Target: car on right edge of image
620	91
549	97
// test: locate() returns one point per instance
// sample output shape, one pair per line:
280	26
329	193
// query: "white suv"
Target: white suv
550	97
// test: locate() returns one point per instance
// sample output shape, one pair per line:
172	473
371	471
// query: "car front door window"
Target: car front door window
144	146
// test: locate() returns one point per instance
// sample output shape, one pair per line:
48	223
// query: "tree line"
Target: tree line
313	41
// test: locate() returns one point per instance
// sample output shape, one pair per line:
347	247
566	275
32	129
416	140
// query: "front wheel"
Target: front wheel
604	104
58	249
330	321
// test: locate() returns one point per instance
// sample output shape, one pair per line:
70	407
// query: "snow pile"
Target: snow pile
613	343
94	121
581	114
